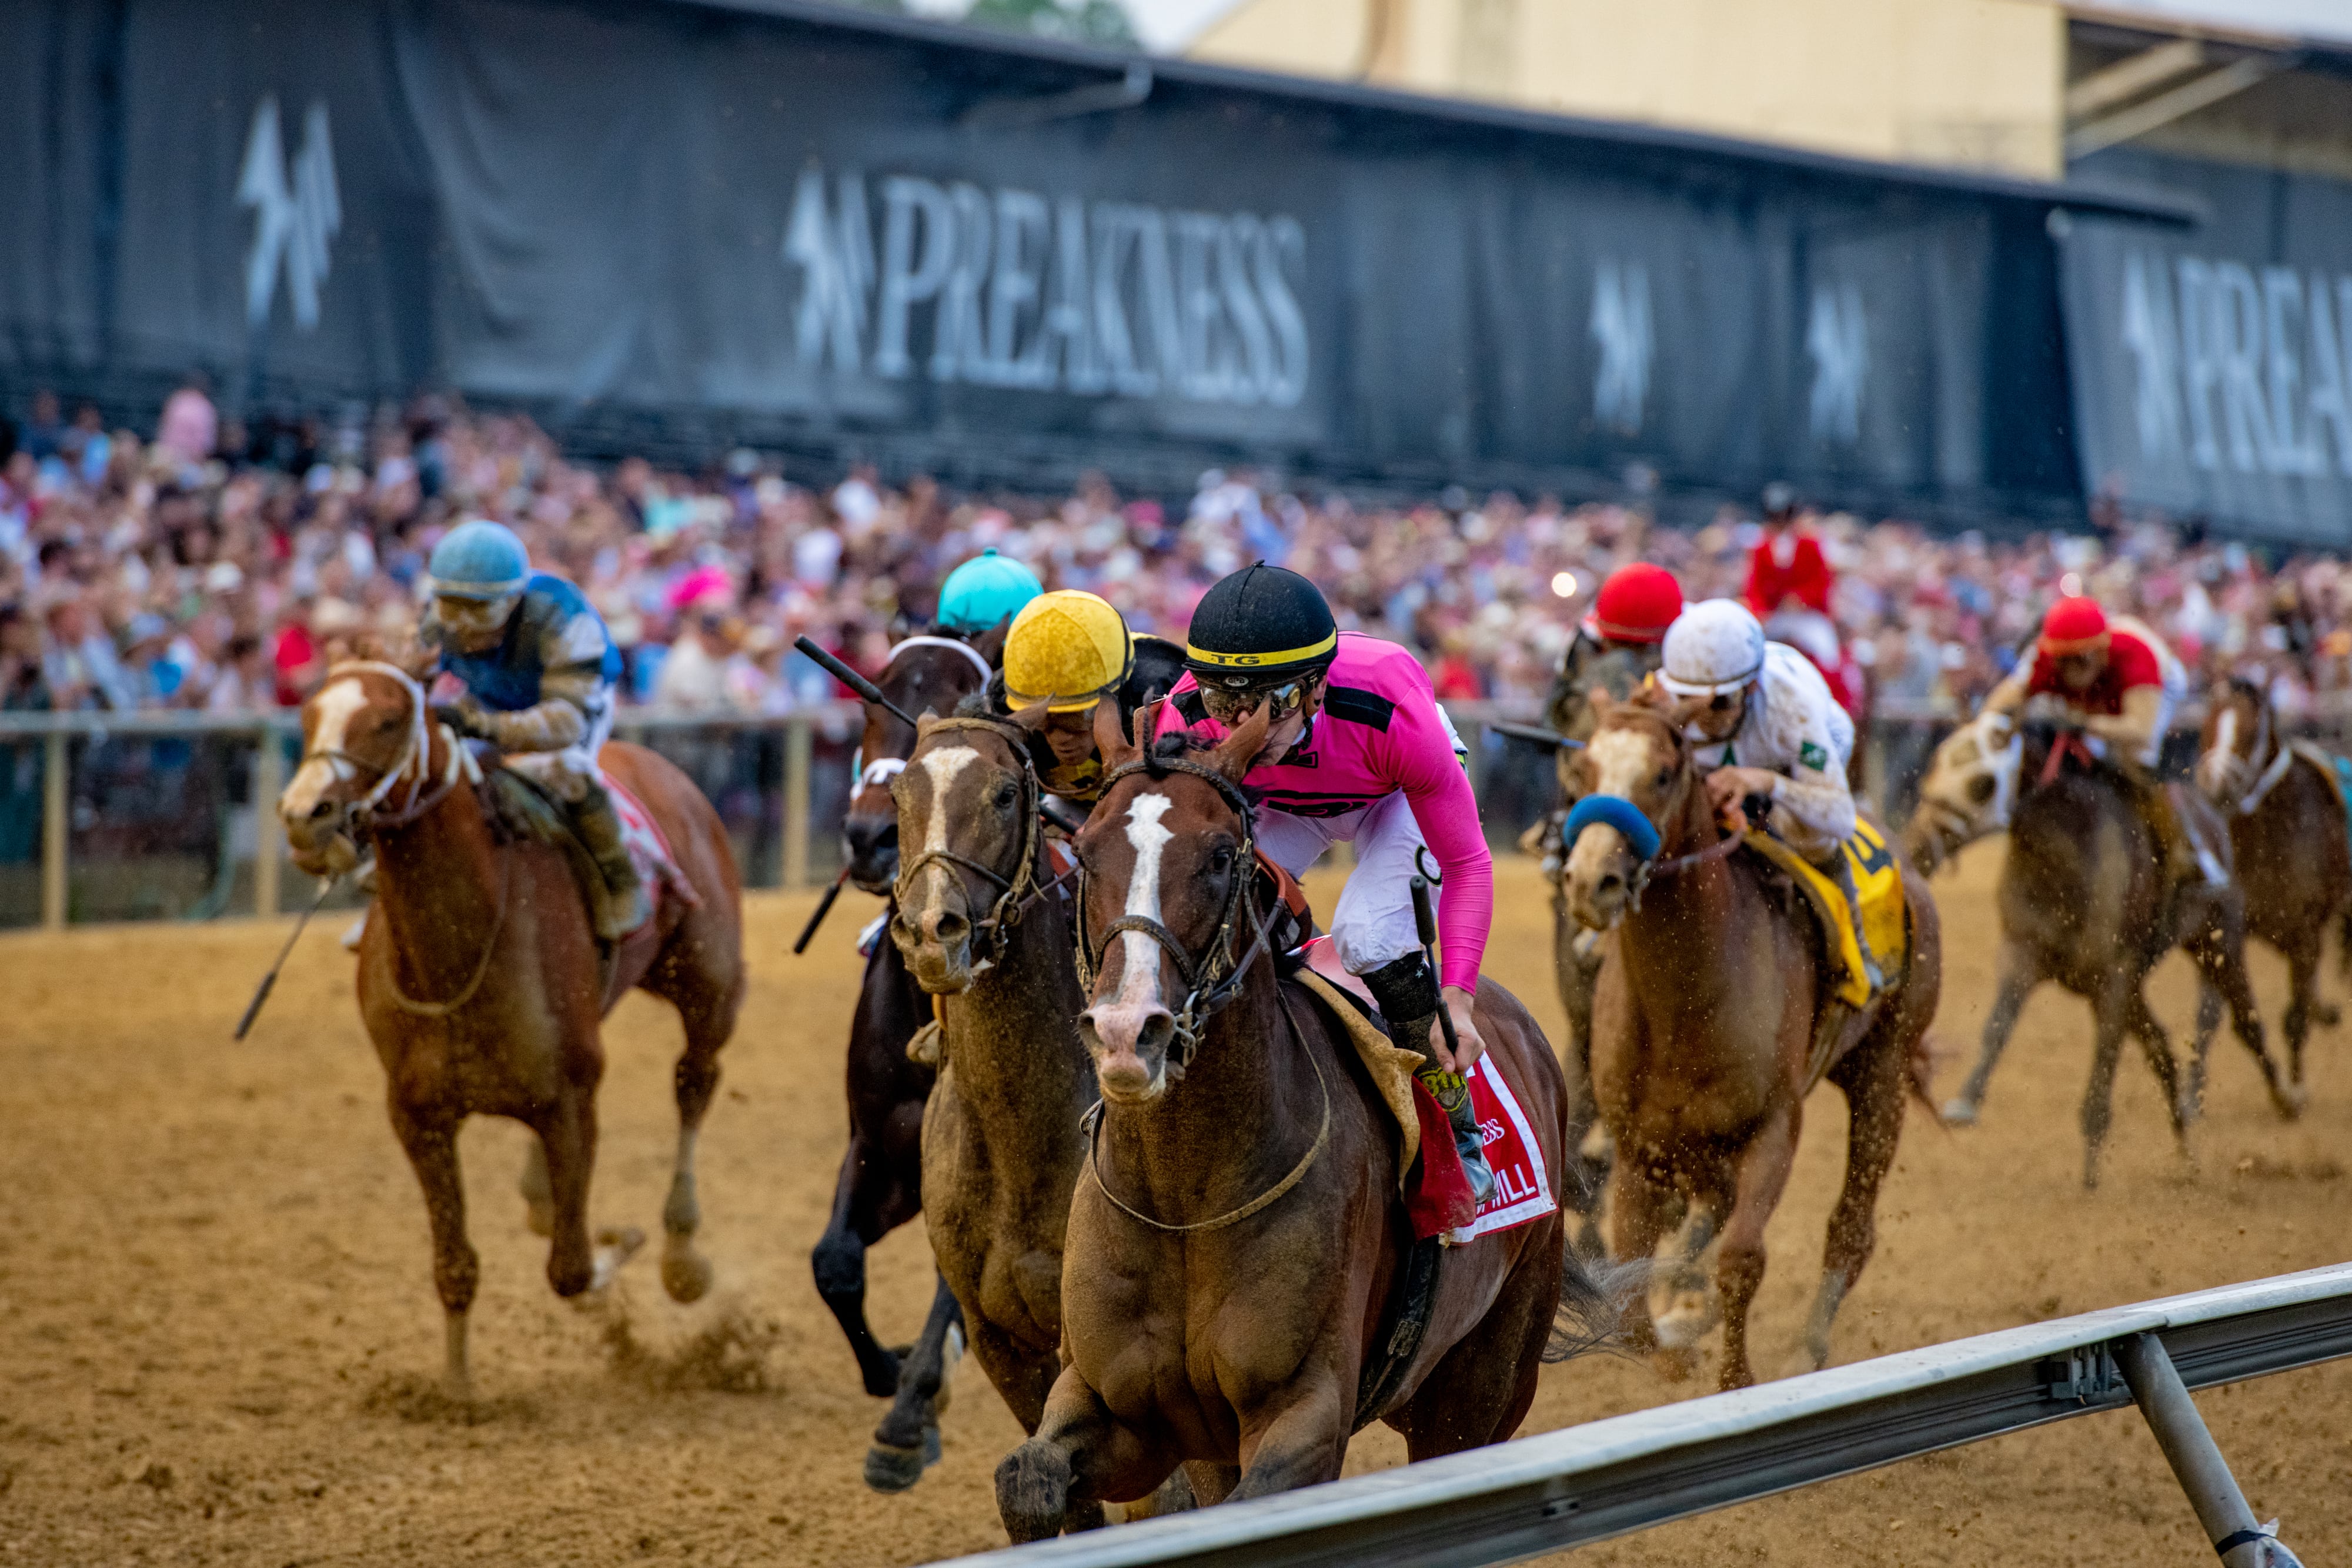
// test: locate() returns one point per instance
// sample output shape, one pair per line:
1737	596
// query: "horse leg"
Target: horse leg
1080	1454
2221	951
569	1134
839	1264
908	1440
538	1197
1300	1443
2109	1011
1762	1172
2303	1007
2200	1049
2019	974
1871	1080
1637	1220
431	1149
1587	1142
2157	1046
686	1272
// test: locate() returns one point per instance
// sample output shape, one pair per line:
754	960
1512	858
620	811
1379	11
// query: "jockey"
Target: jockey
1359	752
1614	650
2120	684
540	670
1768	726
984	591
1072	642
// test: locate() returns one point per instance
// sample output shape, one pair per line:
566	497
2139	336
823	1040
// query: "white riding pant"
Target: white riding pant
568	774
1372	923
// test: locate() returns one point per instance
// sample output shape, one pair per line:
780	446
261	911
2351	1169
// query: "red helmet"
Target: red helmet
2075	625
1635	605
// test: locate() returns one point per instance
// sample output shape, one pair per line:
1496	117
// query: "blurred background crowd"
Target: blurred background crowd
220	567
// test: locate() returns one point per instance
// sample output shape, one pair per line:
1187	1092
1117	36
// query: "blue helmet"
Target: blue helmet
479	559
984	590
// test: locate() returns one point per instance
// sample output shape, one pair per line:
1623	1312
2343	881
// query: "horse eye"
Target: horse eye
1005	795
1220	860
1665	776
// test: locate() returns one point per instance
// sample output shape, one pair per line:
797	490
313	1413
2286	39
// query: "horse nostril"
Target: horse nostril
1609	882
949	926
1159	1029
322	810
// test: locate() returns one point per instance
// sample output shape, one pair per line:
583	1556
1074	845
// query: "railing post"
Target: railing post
268	783
797	751
2195	1459
56	803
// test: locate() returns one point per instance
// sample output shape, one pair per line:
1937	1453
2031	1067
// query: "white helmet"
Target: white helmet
1714	647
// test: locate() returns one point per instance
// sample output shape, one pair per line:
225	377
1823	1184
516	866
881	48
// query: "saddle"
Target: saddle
525	812
1877	878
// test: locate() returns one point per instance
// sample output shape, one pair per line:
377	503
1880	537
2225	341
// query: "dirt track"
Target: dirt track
218	1326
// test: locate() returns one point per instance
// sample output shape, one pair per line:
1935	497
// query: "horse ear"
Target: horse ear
989	645
1598	700
1111	739
1240	748
1033	717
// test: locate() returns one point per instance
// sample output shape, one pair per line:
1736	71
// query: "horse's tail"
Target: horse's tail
1594	1296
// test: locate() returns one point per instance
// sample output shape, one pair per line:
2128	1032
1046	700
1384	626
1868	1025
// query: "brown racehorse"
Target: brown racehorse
1000	1142
2288	836
880	1187
2083	902
1703	1027
478	974
1231	1248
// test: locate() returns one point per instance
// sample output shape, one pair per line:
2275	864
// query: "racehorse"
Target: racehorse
880	1187
480	974
1232	1246
2289	837
1705	1026
981	927
2083	902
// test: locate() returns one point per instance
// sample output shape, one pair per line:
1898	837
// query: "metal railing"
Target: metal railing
1631	1472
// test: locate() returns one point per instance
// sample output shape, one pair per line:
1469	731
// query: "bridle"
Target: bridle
878	774
2237	769
1216	975
416	746
1642	835
1018	891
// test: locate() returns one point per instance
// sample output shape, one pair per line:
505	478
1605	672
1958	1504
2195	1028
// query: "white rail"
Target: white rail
1609	1477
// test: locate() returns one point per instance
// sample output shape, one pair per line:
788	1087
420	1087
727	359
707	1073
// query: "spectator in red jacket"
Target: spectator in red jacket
1786	563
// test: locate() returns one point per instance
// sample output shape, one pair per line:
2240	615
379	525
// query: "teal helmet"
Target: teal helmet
479	559
984	590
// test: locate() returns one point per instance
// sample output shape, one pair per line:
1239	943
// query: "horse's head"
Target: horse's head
2236	729
1168	874
1970	790
925	674
1634	783
968	807
364	734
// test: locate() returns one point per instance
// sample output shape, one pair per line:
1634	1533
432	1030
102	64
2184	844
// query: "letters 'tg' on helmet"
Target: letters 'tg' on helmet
1069	649
1258	626
1715	647
480	560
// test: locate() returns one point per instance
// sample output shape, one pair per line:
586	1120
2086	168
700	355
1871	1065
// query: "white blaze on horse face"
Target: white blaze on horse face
335	708
2213	767
1138	974
1621	760
942	766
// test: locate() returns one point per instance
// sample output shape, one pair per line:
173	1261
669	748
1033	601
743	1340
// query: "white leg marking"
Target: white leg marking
2213	767
336	707
1138	975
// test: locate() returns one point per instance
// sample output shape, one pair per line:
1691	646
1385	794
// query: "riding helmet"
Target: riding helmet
1069	649
1715	647
984	590
1636	604
1779	499
2075	625
479	559
1259	626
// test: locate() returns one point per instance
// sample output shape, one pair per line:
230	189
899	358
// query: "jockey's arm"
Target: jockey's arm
572	653
1814	812
2010	697
1438	789
2134	730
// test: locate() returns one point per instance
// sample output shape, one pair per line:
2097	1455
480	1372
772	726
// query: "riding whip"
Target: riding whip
1424	925
253	1008
1535	734
823	908
852	680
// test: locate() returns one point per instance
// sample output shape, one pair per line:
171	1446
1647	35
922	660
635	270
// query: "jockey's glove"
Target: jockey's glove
465	718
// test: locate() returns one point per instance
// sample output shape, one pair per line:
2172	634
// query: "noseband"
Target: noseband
1214	977
1642	837
1018	890
415	746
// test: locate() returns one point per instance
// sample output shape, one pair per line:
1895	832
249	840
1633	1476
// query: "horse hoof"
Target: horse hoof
1960	1113
2291	1102
686	1274
894	1470
614	1249
539	1218
1033	1491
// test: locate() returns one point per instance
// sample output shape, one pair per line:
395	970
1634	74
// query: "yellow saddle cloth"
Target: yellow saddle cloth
1878	879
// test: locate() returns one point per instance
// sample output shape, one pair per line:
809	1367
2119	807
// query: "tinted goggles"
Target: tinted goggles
1229	708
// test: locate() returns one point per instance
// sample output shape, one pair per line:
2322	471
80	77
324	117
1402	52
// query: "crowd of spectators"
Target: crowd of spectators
220	567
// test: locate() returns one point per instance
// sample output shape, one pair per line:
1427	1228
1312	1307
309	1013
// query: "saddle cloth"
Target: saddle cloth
1877	878
1438	1201
527	811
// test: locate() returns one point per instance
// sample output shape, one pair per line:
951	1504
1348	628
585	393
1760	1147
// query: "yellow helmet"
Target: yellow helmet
1069	645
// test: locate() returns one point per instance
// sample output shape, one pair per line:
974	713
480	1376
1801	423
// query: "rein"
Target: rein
2269	777
1021	888
482	970
1214	977
1093	1122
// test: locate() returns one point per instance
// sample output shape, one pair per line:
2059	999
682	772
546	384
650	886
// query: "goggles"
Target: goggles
473	617
1229	708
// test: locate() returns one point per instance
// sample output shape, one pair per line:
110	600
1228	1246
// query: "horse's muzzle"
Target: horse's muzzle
936	942
1129	1046
1598	878
873	845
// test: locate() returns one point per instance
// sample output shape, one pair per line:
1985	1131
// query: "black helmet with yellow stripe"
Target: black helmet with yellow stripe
1259	627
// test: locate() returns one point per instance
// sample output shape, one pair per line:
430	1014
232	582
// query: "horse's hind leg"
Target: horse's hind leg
2303	1007
908	1440
1637	1220
2179	1094
707	1005
2220	951
2110	1010
538	1197
2019	973
431	1149
838	1261
1872	1079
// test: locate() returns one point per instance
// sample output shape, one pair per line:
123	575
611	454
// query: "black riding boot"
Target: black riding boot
1409	999
598	824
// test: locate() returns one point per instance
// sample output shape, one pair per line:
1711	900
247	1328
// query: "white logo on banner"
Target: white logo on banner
297	213
1838	339
1099	298
1620	327
2238	366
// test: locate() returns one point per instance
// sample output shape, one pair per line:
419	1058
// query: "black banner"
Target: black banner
2210	366
680	222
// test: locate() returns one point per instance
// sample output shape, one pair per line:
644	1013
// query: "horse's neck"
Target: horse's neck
1015	1040
1683	908
436	885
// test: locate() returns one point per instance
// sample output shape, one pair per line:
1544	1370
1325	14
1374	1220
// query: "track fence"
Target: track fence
1628	1473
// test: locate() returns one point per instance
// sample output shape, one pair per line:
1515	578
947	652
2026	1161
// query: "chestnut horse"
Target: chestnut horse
2289	837
880	1187
2083	902
1704	1021
983	935
480	974
1232	1249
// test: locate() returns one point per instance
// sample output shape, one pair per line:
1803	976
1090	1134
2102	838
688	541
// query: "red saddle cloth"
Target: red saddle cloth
1439	1202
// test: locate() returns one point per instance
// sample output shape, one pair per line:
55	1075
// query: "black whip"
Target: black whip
852	680
1424	925
823	908
253	1008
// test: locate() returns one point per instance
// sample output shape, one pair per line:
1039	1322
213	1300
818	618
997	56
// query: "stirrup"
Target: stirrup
1471	1147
